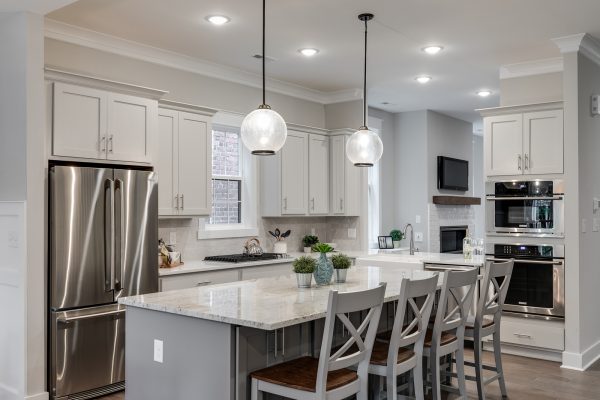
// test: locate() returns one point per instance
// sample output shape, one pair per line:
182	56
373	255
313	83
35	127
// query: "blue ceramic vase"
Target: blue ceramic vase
324	270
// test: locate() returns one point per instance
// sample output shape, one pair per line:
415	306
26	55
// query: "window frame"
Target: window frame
248	191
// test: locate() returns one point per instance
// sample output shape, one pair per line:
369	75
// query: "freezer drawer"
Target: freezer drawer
87	349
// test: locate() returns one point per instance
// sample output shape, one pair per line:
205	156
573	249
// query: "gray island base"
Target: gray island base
212	337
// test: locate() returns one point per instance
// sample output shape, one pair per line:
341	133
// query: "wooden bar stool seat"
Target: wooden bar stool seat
379	356
301	374
446	338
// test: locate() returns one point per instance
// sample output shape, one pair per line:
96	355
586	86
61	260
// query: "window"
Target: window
373	193
227	176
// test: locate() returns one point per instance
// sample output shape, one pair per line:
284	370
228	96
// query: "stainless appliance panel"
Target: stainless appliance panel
87	349
80	229
136	232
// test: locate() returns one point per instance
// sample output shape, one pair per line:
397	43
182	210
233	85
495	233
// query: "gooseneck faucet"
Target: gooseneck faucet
412	238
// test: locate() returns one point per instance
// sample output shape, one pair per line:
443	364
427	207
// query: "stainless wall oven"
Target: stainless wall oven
533	208
537	286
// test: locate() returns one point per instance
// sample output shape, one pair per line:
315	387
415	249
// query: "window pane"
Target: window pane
226	202
226	152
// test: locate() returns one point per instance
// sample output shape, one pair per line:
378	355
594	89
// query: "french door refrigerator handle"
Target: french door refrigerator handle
110	260
118	268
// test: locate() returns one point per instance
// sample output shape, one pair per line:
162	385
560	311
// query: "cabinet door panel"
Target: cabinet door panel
195	164
338	176
294	174
504	145
166	162
79	123
186	281
318	178
543	142
129	128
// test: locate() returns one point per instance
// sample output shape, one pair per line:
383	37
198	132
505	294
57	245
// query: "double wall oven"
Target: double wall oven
531	208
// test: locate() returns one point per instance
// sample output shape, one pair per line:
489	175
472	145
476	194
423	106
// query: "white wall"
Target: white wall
479	186
531	89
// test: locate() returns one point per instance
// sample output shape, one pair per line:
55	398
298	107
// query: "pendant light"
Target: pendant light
364	148
263	131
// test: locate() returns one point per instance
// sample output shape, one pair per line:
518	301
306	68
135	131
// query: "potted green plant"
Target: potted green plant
341	263
308	242
304	267
324	270
397	236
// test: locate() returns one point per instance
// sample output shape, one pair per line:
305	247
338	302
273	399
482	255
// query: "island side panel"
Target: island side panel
198	357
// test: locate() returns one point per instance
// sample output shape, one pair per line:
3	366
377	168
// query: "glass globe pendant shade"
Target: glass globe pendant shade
263	131
364	148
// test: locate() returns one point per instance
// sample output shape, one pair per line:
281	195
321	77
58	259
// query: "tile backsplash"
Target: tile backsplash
328	229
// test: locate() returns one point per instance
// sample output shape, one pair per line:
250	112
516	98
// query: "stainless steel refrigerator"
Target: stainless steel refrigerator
103	236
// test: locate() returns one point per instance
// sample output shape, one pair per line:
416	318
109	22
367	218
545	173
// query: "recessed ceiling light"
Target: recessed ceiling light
432	49
484	93
309	52
423	79
218	19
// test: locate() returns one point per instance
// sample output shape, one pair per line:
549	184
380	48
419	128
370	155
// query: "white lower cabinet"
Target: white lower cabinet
184	163
266	271
540	334
191	280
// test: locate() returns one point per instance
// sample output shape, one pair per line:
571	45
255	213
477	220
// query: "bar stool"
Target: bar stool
330	376
487	322
447	335
394	357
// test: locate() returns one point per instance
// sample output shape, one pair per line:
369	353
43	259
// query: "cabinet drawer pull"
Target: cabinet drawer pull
519	162
204	283
285	203
523	336
283	342
103	144
313	204
110	144
342	204
177	202
526	161
182	203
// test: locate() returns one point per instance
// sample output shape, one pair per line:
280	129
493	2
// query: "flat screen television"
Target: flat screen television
453	174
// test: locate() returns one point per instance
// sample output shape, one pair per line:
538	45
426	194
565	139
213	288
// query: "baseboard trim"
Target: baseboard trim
529	352
39	396
581	361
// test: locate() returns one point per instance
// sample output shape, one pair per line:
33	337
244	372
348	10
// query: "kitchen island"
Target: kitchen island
203	342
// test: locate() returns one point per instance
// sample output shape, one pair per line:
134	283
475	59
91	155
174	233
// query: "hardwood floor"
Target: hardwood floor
526	379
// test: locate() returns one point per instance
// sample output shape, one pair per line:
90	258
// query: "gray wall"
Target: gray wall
348	114
183	86
531	89
478	185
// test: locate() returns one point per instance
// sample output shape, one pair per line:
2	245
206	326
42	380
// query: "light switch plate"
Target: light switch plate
351	233
418	236
158	351
417	219
596	225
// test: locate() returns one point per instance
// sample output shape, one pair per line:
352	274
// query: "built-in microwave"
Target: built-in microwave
534	208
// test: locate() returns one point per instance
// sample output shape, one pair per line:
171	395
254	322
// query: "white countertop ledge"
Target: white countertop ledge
270	303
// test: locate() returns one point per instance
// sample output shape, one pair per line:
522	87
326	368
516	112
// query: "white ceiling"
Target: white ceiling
478	37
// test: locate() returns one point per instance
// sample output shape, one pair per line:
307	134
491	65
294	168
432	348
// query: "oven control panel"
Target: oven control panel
517	250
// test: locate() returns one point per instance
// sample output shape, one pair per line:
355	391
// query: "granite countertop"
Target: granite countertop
269	303
422	258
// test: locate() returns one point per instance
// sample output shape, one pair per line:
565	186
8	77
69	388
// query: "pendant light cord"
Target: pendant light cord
263	51
365	81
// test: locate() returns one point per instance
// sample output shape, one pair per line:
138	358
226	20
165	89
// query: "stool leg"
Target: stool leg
479	367
498	357
460	370
436	390
256	394
418	379
392	384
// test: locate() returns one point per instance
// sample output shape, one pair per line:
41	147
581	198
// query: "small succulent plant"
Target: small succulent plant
310	240
322	248
396	235
280	236
304	265
341	261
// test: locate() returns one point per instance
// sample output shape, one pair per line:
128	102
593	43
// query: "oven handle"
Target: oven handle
494	198
527	261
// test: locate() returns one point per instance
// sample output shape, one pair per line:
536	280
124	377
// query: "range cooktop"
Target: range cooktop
240	258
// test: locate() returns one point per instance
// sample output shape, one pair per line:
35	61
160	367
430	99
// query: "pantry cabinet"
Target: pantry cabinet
347	181
526	140
98	124
184	162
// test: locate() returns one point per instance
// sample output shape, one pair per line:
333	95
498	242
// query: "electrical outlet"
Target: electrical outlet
417	219
172	237
158	351
596	225
418	236
351	233
312	231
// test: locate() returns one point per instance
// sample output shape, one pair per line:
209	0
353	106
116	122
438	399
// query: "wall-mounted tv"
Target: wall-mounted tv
453	174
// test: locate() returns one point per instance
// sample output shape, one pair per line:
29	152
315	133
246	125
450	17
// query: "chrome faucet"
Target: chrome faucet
412	238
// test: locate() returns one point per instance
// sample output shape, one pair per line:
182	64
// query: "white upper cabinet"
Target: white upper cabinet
524	143
543	142
318	174
294	174
347	181
79	123
184	163
130	127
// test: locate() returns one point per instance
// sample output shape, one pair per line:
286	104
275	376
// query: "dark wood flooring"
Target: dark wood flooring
526	379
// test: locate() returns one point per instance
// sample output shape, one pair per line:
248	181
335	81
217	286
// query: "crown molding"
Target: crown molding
529	68
584	43
522	108
111	44
179	106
